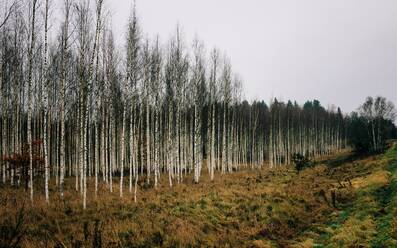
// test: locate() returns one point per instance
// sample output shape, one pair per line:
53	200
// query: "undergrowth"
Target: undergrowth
333	204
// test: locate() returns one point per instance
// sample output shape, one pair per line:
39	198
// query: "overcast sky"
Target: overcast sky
337	51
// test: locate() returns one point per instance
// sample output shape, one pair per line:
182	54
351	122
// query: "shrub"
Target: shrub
20	162
301	162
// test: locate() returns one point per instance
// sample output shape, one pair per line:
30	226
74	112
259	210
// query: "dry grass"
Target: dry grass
238	209
266	208
380	177
355	233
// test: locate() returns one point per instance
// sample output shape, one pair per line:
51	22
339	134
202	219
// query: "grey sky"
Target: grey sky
337	51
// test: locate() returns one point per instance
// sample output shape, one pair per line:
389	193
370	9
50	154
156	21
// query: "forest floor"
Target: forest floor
266	208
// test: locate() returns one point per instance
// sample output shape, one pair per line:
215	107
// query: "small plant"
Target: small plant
301	162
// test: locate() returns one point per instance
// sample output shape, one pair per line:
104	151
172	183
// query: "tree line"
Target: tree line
137	113
372	125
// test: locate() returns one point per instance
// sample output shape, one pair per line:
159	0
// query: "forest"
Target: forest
158	110
81	116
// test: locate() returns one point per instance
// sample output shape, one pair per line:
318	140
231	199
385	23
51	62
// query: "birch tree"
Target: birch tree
133	75
30	96
64	57
213	82
156	92
199	93
226	95
45	100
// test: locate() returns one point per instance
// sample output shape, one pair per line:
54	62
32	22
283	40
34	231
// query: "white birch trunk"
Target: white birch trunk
148	165
122	151
30	97
45	94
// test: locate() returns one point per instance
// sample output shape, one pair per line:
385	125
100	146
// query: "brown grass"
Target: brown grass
380	177
266	208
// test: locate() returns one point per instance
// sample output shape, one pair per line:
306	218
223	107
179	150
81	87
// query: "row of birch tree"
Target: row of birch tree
127	116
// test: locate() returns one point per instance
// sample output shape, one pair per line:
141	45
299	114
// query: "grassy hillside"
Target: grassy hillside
341	202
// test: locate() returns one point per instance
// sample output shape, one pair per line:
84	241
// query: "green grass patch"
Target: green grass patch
386	196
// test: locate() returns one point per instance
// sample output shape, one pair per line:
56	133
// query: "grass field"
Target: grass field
341	202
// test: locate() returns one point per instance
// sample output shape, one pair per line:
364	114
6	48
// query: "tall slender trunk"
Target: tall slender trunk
225	140
45	94
196	141
213	142
132	147
169	146
148	165
122	151
62	97
156	144
97	160
85	152
373	135
112	145
77	150
103	147
81	142
30	100
136	152
136	183
3	125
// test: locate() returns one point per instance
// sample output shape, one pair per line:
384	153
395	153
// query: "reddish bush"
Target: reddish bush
20	162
